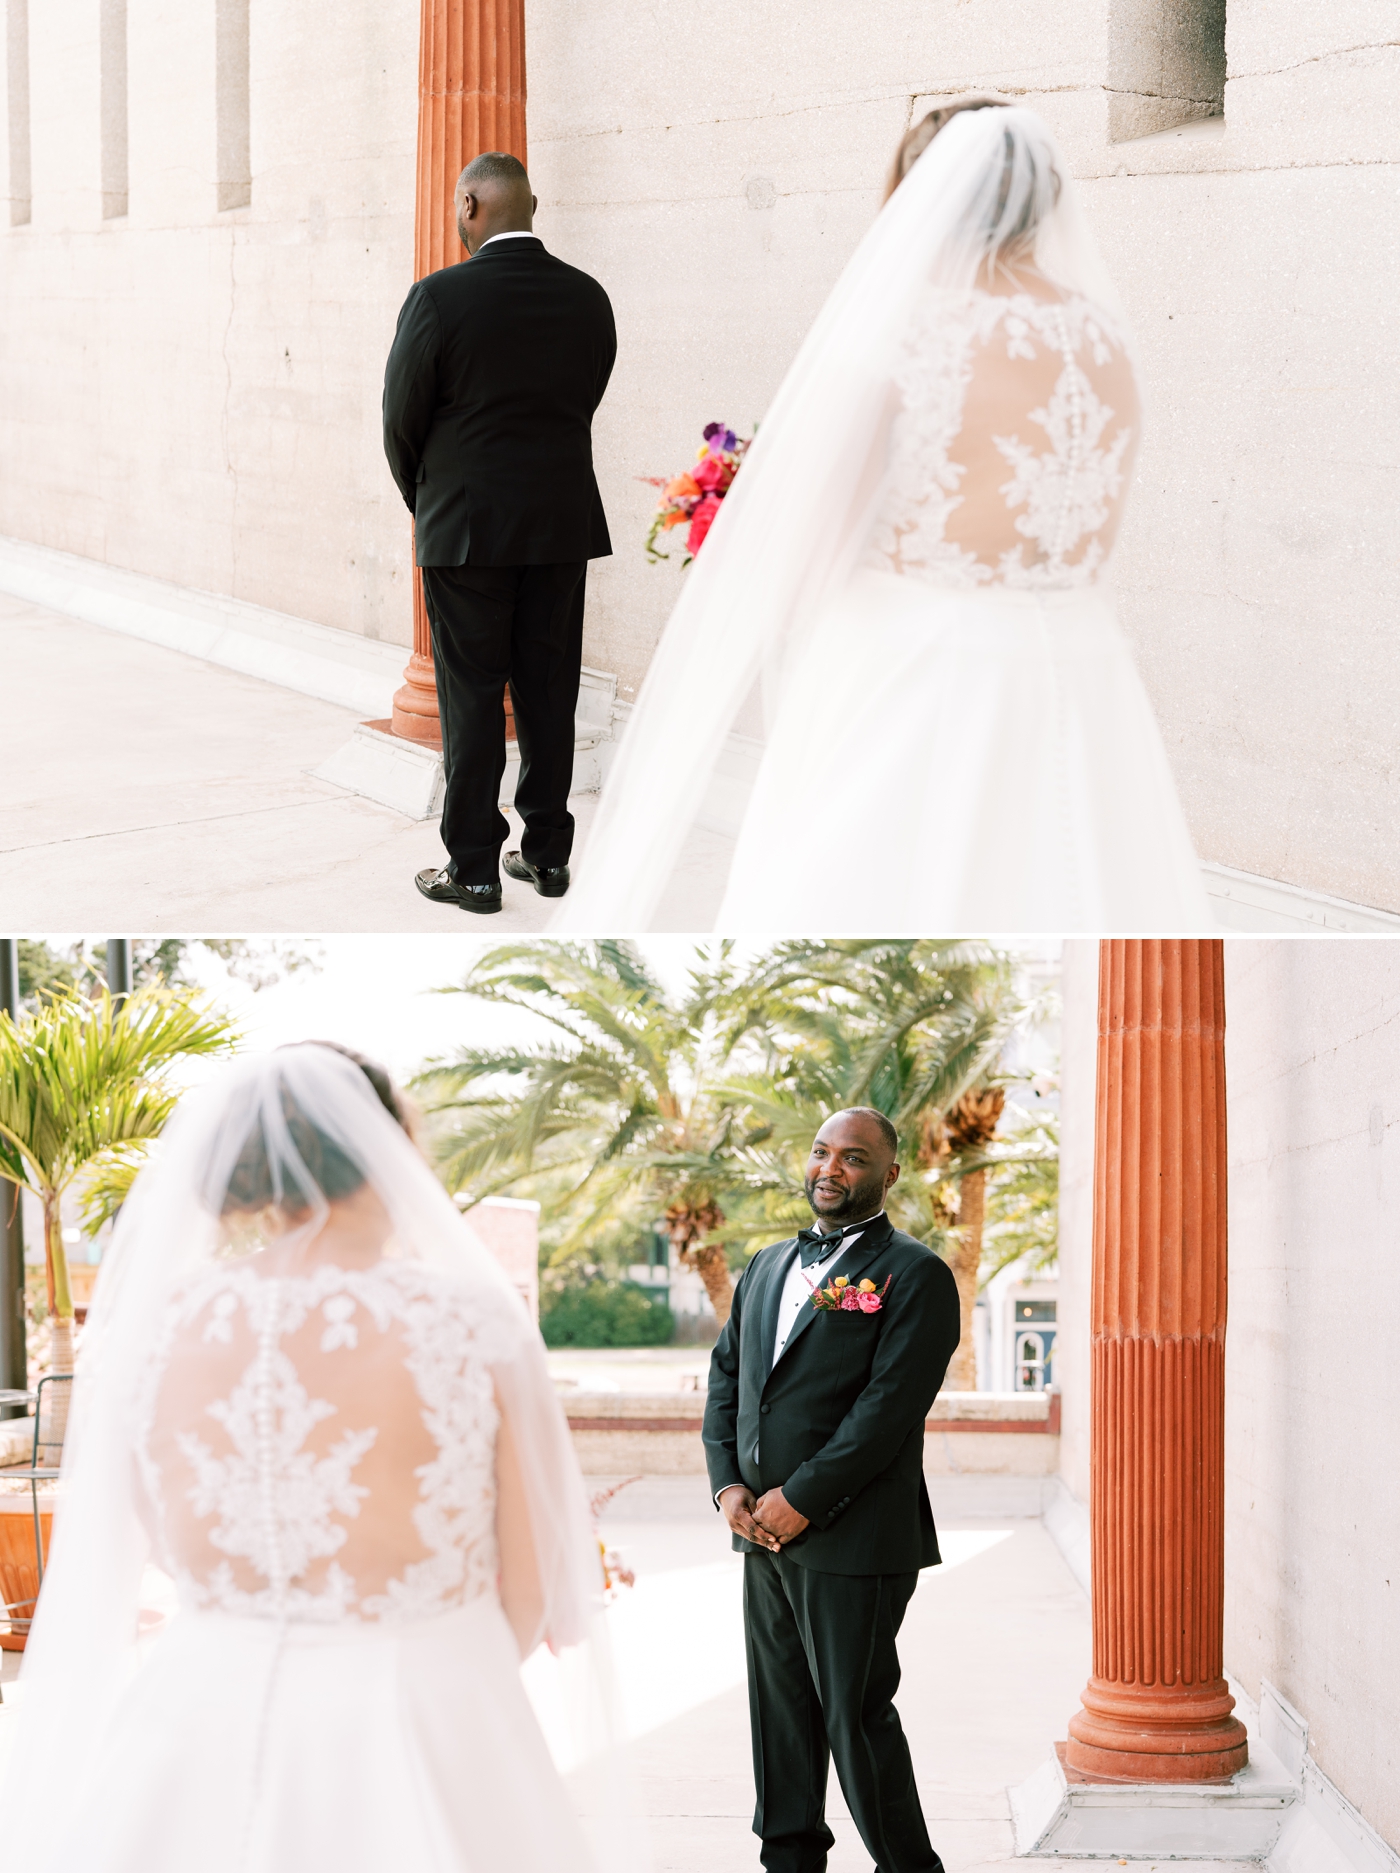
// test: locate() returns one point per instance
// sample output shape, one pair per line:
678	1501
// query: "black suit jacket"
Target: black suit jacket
495	371
838	1423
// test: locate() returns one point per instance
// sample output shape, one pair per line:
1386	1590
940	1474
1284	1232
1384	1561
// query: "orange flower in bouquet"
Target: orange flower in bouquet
692	499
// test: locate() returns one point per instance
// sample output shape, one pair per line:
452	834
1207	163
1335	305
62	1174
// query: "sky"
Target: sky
377	995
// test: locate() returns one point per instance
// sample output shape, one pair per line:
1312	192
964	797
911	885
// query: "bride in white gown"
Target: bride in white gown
913	560
309	1398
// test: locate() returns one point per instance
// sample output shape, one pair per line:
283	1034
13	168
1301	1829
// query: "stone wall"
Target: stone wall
194	393
1312	1558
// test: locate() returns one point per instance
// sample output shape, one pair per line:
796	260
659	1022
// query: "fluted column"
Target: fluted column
471	97
1156	1708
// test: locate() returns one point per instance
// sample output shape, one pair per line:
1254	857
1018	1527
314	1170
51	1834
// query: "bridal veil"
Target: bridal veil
796	517
312	1128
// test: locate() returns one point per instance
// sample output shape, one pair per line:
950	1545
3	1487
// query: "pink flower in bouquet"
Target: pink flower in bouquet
713	475
868	1303
692	498
850	1300
701	522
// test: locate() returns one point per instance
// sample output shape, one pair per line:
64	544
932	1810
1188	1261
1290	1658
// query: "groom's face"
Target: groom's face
849	1170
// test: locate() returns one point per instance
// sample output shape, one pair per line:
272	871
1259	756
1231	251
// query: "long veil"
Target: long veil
795	519
317	1126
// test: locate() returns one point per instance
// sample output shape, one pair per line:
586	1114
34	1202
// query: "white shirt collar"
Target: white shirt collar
510	234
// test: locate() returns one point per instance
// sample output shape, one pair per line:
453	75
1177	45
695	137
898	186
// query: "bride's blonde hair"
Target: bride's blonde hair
1028	189
916	140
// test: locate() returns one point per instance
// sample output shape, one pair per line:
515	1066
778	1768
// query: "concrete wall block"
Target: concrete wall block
1315	1282
640	1453
65	115
1263	496
1273	35
172	90
1336	108
1166	64
16	153
1006	1453
334	117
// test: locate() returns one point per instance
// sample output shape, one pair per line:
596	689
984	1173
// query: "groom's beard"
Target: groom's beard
863	1200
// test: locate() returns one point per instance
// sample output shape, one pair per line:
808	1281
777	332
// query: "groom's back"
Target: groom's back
525	348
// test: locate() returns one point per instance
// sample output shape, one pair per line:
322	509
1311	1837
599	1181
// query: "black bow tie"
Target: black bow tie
815	1245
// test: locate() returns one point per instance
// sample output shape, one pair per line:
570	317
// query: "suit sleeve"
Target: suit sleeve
919	1337
721	1427
607	355
411	389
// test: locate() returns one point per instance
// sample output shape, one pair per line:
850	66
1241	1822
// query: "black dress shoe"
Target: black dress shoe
443	888
548	880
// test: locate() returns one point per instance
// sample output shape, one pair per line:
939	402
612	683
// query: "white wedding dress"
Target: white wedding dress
895	677
339	1688
963	742
313	1419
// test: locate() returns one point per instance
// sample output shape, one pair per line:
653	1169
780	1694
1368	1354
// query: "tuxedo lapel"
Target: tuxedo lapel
852	1264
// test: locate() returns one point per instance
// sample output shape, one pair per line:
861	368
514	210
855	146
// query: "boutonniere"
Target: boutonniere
839	1297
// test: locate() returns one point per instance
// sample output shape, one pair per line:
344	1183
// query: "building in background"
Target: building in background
510	1228
208	232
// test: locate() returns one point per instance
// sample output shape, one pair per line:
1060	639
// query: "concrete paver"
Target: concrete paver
158	792
995	1646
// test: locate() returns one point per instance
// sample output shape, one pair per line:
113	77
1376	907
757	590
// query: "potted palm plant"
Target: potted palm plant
84	1090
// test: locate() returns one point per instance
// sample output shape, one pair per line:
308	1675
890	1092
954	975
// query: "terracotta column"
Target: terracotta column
1156	1708
471	97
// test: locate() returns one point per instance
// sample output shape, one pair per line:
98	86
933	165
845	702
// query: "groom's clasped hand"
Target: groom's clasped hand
768	1522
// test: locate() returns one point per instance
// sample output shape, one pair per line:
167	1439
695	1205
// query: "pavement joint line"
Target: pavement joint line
331	795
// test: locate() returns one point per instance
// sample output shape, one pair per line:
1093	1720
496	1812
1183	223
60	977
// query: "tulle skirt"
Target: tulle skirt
408	1748
961	762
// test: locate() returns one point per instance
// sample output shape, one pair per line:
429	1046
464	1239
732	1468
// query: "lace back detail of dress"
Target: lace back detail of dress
322	1447
990	384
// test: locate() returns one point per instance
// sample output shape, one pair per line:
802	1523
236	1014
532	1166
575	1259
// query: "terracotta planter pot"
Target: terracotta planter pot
19	1573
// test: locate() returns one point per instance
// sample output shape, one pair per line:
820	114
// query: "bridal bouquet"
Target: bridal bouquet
616	1573
695	496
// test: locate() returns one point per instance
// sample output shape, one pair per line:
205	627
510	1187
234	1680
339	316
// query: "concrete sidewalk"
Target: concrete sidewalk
995	1647
150	790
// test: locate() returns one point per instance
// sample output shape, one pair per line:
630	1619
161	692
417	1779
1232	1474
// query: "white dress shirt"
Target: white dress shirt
510	234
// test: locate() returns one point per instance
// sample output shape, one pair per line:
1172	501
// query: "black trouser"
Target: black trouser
822	1671
490	625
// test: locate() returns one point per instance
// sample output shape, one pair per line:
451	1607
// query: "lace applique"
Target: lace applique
1066	493
286	1514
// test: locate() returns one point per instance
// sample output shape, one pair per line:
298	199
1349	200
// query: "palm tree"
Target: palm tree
915	1028
617	1117
83	1092
956	1143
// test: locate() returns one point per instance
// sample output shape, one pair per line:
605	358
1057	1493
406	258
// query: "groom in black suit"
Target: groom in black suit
496	369
814	1436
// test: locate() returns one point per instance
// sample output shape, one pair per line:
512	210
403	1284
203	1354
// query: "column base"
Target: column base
1059	1816
1152	1733
415	705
